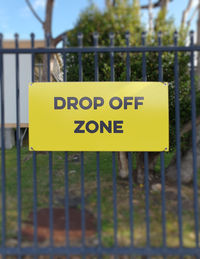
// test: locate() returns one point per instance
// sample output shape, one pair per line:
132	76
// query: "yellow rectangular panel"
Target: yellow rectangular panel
99	116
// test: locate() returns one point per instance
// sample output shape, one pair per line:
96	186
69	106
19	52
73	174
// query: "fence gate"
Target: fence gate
75	204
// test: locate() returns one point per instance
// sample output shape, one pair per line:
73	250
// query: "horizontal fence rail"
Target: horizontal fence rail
101	247
102	250
101	49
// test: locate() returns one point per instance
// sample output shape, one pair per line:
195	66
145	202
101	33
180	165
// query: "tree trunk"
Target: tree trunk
139	173
150	11
164	4
47	35
186	164
123	164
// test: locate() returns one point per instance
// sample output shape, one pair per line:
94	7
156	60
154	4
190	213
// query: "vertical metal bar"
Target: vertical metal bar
50	162
82	200
80	44
80	67
48	42
98	201
67	201
64	59
66	164
3	166
112	71
33	57
146	159
128	67
96	61
130	166
194	145
35	240
18	144
178	146
144	72
146	184
162	155
114	175
160	70
111	36
51	199
99	227
130	176
39	77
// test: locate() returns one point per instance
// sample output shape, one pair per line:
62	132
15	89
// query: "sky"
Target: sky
15	16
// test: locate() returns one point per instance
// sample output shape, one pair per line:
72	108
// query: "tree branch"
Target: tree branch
192	16
34	12
157	4
185	12
48	17
58	38
188	126
150	17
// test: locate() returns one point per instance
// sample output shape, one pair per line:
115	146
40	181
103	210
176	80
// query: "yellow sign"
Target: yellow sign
98	116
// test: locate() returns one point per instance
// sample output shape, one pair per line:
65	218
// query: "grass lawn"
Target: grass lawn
91	198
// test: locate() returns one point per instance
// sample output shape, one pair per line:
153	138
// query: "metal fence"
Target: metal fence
99	250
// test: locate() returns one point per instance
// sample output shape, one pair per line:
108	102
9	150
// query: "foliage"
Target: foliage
120	19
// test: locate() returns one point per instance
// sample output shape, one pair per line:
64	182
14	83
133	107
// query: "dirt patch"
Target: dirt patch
59	233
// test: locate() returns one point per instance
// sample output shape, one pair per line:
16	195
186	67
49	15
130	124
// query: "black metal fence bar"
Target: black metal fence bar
114	175
82	199
146	158
128	67
35	223
96	59
67	200
130	179
162	154
19	207
130	164
82	172
51	230
178	146
99	225
67	229
194	145
64	42
98	178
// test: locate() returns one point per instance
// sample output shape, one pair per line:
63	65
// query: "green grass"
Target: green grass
91	197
